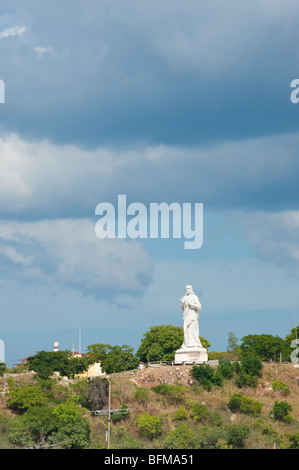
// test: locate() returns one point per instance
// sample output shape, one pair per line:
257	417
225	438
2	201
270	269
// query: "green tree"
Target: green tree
204	342
232	345
266	347
25	397
161	342
45	363
39	419
72	428
113	358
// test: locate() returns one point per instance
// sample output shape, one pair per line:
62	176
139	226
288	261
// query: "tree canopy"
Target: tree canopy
113	358
45	363
161	342
266	347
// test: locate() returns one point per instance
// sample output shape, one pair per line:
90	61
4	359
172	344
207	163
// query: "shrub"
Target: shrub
200	413
280	387
173	393
246	380
225	368
294	440
181	437
236	434
180	414
266	429
248	372
243	404
150	426
207	437
3	368
206	376
120	439
215	419
252	366
19	433
223	444
142	395
280	411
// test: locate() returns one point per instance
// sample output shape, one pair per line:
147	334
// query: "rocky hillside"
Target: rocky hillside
191	417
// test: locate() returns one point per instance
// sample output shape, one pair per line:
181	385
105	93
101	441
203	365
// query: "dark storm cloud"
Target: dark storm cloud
167	72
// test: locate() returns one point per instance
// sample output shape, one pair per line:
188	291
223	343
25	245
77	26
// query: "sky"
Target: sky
160	101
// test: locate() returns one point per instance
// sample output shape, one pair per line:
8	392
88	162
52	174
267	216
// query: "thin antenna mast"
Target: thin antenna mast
79	339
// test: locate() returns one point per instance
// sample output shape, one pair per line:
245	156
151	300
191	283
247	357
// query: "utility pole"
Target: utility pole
109	415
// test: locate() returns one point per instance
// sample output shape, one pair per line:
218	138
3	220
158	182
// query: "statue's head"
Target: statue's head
189	289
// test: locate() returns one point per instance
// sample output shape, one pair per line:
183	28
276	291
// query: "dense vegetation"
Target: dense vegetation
240	403
211	411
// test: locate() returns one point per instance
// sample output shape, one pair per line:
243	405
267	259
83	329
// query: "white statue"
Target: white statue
191	351
191	306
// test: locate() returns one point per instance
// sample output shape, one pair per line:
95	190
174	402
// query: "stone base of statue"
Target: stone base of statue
191	355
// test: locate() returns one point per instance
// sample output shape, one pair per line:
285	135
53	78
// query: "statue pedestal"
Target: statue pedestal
191	355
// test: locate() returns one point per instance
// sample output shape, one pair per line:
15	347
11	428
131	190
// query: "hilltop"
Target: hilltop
189	418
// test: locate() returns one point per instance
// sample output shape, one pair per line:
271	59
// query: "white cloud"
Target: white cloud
41	51
68	253
12	31
42	178
41	174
